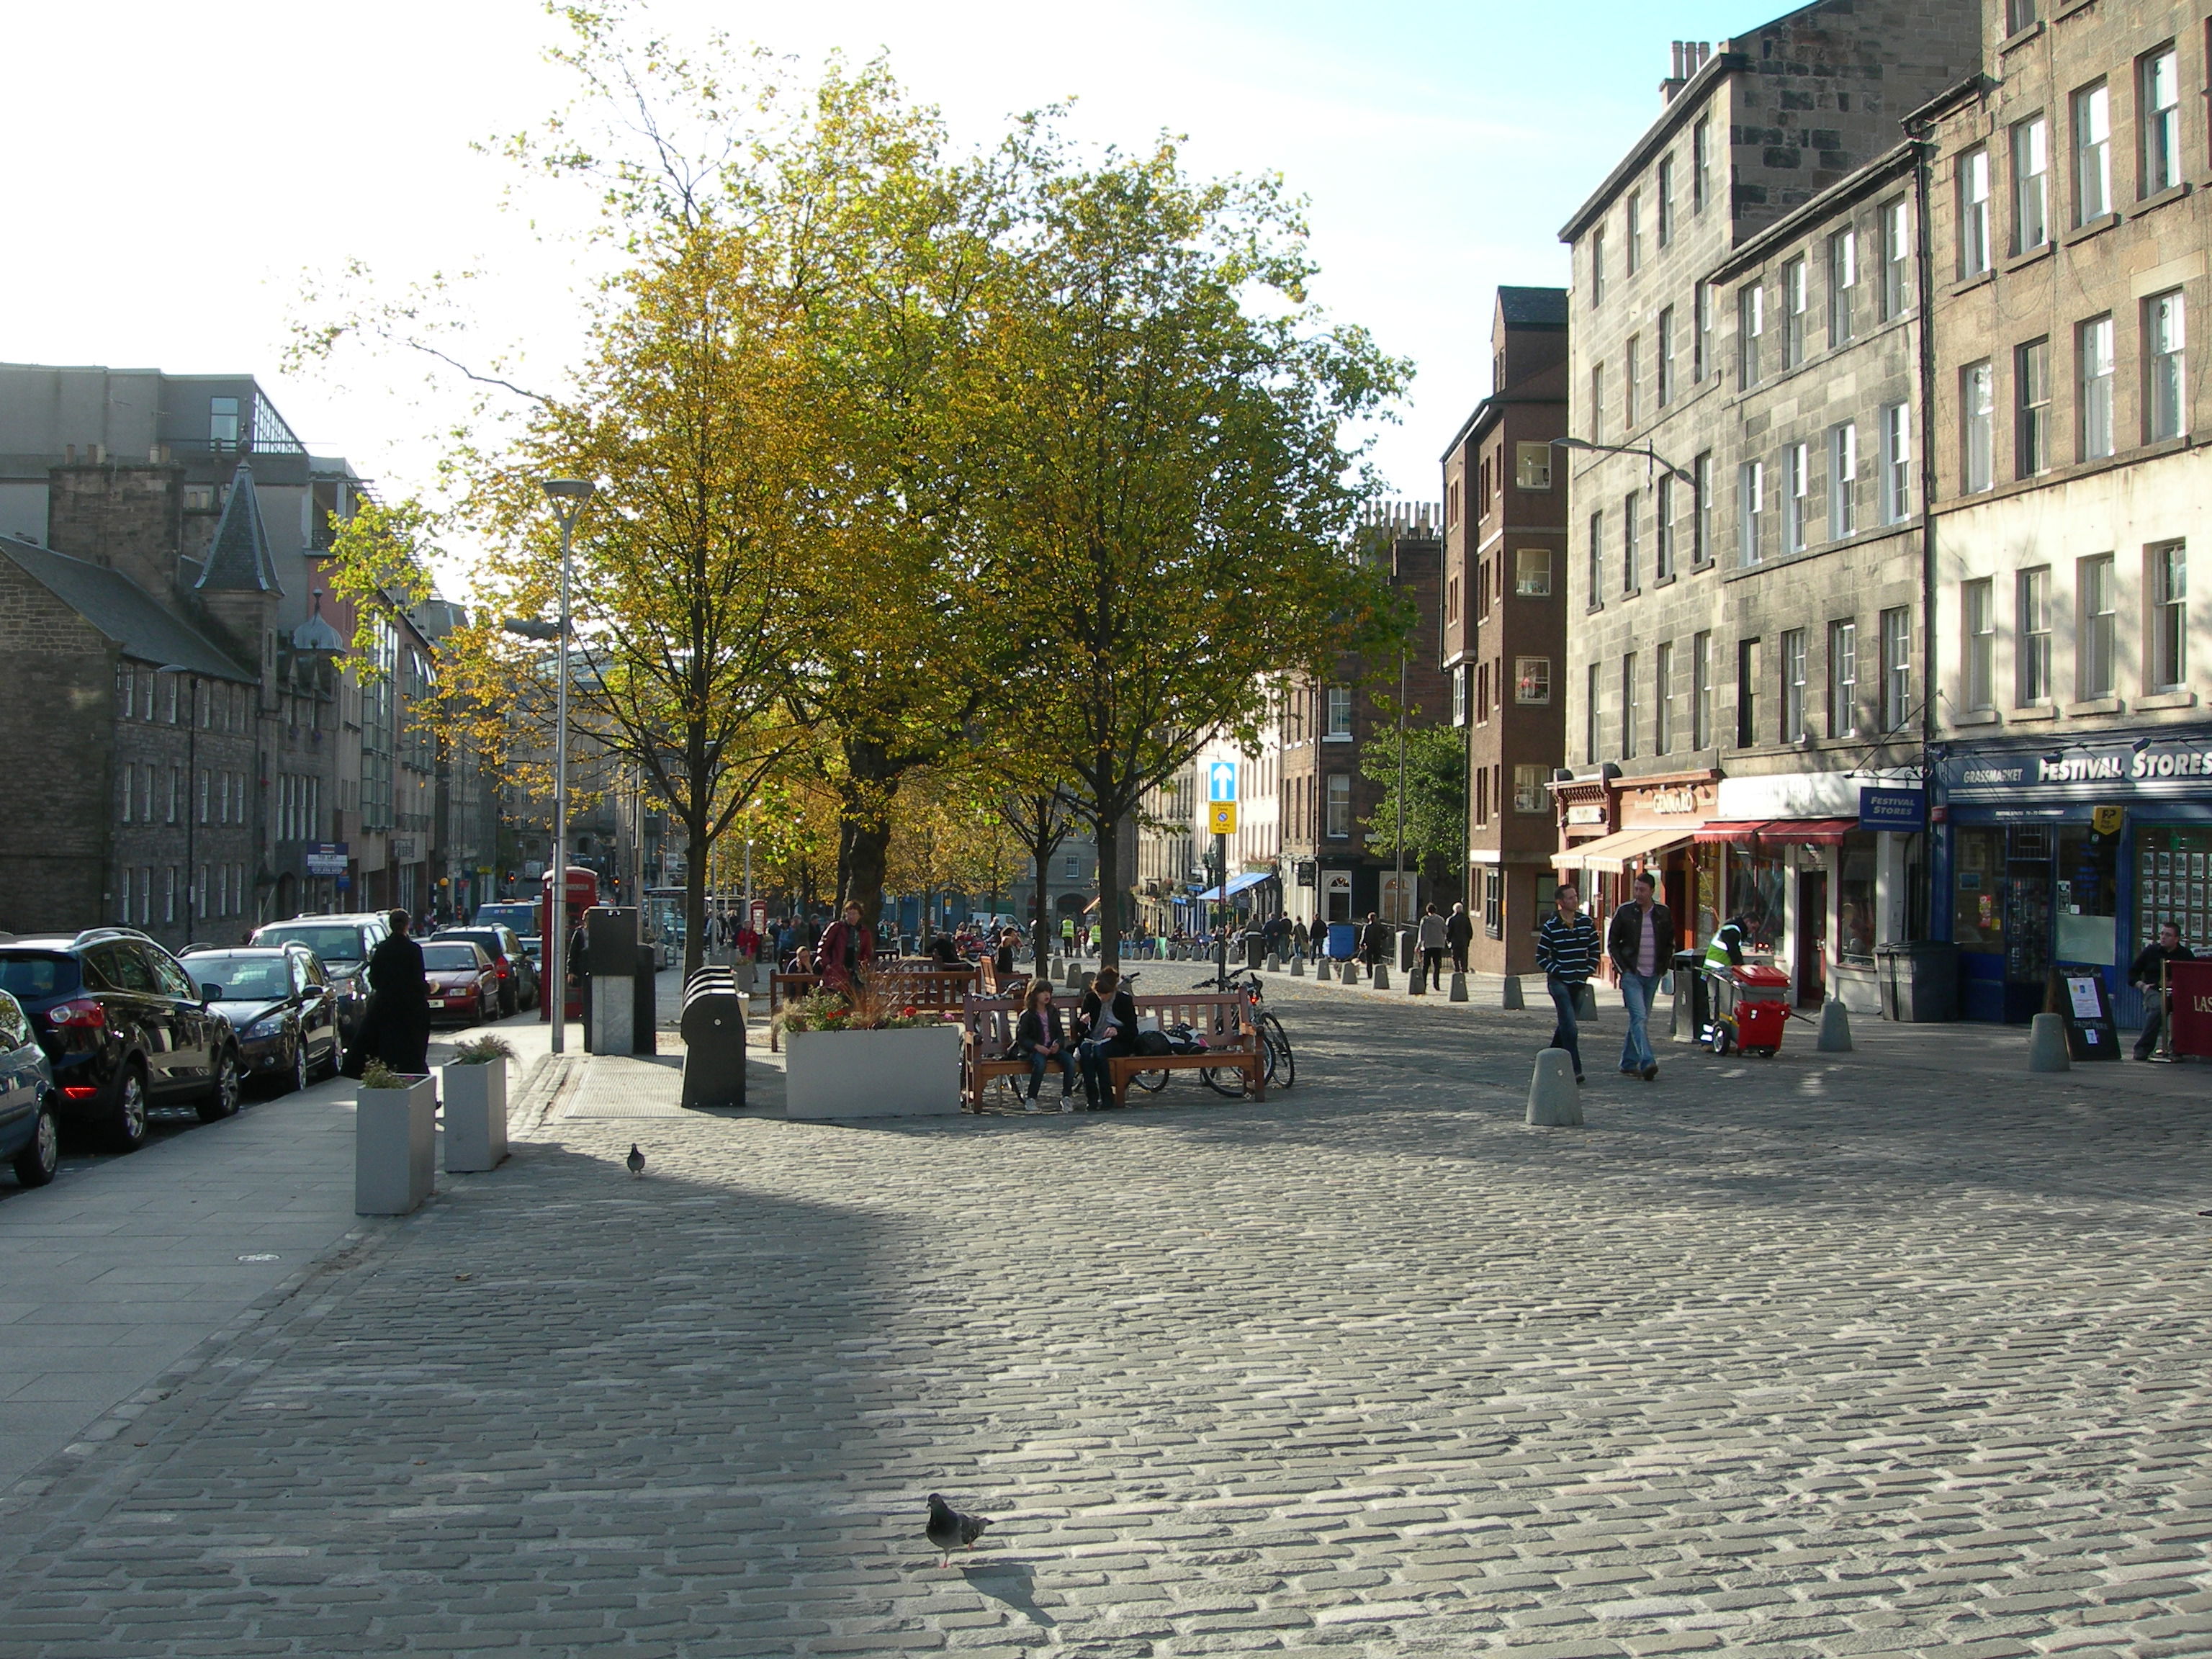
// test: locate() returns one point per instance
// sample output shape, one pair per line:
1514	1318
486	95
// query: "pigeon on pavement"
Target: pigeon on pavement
949	1528
635	1160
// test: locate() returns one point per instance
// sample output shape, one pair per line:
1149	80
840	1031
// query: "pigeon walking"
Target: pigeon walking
635	1160
950	1530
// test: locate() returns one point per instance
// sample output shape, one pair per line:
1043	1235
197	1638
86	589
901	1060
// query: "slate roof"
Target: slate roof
1533	307
238	558
139	624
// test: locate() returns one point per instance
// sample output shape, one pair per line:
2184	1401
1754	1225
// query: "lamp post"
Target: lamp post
191	787
568	496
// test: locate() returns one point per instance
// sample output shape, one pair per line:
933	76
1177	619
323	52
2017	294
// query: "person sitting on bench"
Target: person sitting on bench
1040	1039
1106	1021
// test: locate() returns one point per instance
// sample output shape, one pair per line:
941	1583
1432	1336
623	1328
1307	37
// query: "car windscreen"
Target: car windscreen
520	917
32	974
243	978
449	958
331	943
476	936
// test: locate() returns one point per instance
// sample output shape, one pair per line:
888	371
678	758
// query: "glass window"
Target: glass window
1528	793
1629	722
1701	690
1632	519
2093	351
1797	462
1597	403
1896	258
2034	676
2019	15
1532	466
1843	679
1701	333
1635	228
1597	560
2175	876
2031	184
223	423
1701	535
1532	679
2092	109
1843	285
1662	699
2169	591
2032	410
1459	678
1662	525
1664	204
1794	302
1493	901
2158	78
1896	669
2094	662
1750	325
1339	806
1855	901
1843	481
1896	464
1701	164
1973	190
1664	346
2164	337
1977	425
1340	712
1751	493
1597	266
1589	711
1979	619
1632	378
1746	693
1532	572
2085	895
1793	686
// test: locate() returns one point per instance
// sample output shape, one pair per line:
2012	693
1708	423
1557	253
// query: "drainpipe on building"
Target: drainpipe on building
1924	272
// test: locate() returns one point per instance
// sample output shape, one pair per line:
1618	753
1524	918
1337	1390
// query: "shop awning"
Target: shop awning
1613	854
1237	884
1724	829
1818	832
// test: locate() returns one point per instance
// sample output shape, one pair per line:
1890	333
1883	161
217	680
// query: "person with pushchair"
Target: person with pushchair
1723	956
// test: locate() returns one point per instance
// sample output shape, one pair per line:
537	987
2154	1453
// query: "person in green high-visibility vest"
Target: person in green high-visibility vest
1723	956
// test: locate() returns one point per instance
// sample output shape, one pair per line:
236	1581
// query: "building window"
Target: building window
1750	325
1701	532
1843	481
2157	80
1752	492
2169	598
1843	286
1798	464
1532	572
2033	688
1340	712
1597	403
2092	662
2093	153
1665	349
1663	206
1843	679
1532	466
223	423
1896	669
1746	693
1794	302
1896	463
1532	679
1597	560
1979	617
1628	708
1973	191
1339	806
1701	690
1662	527
1631	555
1793	686
2031	184
2094	350
1976	426
1701	333
1597	266
1493	901
1662	699
1635	227
2031	426
1896	258
1459	678
2019	15
1529	789
2165	336
1589	714
1701	164
1632	377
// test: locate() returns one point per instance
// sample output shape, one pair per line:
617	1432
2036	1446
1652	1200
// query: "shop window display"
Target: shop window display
2086	897
2173	871
1756	887
1977	913
1855	901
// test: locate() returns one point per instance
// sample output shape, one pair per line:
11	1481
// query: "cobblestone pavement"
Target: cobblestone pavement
1797	1359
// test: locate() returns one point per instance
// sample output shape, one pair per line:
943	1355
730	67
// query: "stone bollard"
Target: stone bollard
1417	985
1075	979
1459	988
1381	976
1554	1102
2046	1044
1299	966
1274	964
1509	997
1835	1029
1586	1001
1323	970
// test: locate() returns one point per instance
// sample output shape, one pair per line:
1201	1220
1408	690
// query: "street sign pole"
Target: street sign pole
1221	913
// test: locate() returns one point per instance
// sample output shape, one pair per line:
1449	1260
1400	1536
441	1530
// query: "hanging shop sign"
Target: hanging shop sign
1903	811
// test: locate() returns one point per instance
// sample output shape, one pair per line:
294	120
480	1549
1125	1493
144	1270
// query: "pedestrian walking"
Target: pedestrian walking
1432	940
1299	938
1459	935
1641	942
1374	940
1567	950
1040	1039
1106	1023
2148	973
848	948
396	1028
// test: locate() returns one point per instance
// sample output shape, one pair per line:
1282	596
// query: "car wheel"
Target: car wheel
41	1156
221	1100
299	1066
126	1125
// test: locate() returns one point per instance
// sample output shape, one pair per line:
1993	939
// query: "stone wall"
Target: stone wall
56	729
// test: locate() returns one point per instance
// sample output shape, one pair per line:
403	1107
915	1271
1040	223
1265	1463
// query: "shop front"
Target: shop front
1643	824
2068	858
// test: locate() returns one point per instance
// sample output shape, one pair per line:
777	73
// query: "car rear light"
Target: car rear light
78	1010
502	967
79	1090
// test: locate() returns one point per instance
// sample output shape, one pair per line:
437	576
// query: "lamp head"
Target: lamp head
2054	757
568	489
2139	745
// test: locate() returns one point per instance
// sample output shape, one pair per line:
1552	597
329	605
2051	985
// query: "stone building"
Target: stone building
1743	585
2066	191
1504	645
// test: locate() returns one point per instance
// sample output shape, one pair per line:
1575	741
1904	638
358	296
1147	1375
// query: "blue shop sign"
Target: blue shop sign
1903	811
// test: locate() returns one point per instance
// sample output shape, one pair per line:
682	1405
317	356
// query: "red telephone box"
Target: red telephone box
583	893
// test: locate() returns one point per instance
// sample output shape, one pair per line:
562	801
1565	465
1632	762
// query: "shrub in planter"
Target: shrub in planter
865	1055
476	1105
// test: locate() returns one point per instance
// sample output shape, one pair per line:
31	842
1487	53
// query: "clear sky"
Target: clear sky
177	169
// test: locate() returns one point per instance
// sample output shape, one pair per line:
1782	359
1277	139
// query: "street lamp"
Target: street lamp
1644	452
568	496
191	787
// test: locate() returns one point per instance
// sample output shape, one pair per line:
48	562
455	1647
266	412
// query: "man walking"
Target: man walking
1458	934
1641	942
2149	974
1566	950
1374	940
1432	941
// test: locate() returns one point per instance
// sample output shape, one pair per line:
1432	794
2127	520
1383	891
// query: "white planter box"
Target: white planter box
842	1074
394	1147
476	1116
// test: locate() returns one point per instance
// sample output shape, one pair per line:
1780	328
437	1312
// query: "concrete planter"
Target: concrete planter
394	1147
850	1074
476	1116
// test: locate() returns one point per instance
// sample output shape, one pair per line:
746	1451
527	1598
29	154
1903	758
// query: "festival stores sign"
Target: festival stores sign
2157	768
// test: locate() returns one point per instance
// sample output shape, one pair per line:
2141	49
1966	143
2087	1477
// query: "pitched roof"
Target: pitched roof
238	558
139	624
1533	308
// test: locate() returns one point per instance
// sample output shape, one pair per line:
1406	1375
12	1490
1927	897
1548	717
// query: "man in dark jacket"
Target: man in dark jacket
1105	1025
1641	942
398	1018
1458	934
1374	940
2149	974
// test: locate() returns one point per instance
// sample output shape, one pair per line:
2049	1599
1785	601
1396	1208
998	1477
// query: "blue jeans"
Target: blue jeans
1098	1076
1635	993
1064	1059
1565	1034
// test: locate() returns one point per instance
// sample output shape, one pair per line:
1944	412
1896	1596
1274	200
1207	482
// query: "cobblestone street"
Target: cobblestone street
1826	1356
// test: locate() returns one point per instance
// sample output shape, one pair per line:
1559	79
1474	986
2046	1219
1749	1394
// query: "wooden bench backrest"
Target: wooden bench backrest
1219	1016
943	991
992	1020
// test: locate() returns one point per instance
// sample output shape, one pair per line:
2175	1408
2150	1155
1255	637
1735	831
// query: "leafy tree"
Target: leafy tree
1436	803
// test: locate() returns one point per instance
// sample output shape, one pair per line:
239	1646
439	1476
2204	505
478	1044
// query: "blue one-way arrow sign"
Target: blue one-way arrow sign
1221	781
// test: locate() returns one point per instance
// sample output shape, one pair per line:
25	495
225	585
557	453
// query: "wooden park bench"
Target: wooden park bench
993	983
987	1031
1224	1019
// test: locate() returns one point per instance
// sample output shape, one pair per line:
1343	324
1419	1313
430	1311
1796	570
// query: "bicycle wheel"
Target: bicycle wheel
1151	1082
1224	1081
1282	1068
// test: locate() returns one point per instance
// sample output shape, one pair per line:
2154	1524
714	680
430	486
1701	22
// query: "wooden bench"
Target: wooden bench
993	983
987	1031
1223	1018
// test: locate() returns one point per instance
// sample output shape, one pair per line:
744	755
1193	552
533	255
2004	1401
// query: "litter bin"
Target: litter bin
1255	948
1409	948
1343	940
713	1024
1920	981
1690	993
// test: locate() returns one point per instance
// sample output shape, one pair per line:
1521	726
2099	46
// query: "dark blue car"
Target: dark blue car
30	1137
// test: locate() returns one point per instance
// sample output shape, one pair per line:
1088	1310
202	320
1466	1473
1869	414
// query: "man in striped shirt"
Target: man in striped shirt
1567	947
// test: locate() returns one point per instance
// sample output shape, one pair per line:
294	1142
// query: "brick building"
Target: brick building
1504	643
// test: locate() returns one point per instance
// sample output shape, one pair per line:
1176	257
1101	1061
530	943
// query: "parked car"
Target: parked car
341	945
464	987
518	975
125	1029
282	1005
534	948
30	1133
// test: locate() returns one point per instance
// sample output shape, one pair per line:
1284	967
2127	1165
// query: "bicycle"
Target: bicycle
1277	1063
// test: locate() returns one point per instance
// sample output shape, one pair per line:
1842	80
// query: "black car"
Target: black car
518	975
342	944
281	1003
126	1028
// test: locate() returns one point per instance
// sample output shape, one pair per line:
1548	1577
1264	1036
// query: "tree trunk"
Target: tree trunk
697	850
1106	835
1040	930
